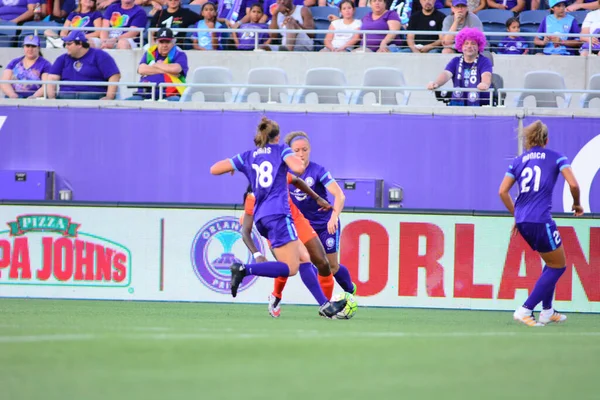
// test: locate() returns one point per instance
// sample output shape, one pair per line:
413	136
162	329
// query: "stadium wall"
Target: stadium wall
418	69
128	252
150	155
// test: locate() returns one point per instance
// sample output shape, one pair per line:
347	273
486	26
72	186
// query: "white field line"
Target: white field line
295	335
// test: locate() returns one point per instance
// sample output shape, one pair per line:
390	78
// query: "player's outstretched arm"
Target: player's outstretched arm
574	187
295	164
505	186
222	167
300	184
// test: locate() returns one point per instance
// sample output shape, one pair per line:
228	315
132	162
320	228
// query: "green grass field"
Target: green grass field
86	350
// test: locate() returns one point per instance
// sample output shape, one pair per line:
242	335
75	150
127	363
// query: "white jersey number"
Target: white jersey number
264	174
527	175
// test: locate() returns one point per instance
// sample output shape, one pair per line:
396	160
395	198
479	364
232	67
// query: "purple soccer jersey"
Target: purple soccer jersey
468	75
513	45
266	171
248	39
536	172
95	66
318	178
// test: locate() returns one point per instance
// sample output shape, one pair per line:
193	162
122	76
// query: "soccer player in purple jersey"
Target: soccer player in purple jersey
536	171
326	224
266	168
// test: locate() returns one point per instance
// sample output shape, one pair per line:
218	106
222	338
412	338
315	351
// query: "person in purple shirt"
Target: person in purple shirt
535	172
513	44
17	11
470	70
326	224
124	14
84	18
515	6
266	168
30	67
163	62
82	63
381	19
247	40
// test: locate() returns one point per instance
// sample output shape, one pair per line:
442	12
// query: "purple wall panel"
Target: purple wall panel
448	162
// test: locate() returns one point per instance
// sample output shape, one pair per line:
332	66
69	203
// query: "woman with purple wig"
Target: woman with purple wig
470	70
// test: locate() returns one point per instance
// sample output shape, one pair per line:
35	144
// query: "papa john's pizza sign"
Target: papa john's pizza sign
46	249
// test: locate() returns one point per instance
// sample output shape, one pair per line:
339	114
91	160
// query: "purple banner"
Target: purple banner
579	140
441	162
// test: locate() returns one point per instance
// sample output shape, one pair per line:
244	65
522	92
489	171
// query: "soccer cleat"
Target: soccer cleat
238	272
353	289
274	309
526	316
548	316
330	309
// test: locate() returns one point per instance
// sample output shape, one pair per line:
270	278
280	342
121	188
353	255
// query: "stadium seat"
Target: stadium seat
594	84
579	16
322	13
531	19
35	28
266	76
383	76
197	8
494	20
217	75
8	33
544	80
360	12
324	77
445	11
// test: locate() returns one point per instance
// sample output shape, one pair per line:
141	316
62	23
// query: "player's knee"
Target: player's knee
322	265
293	269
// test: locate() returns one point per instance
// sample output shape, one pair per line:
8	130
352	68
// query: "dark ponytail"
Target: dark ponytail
267	131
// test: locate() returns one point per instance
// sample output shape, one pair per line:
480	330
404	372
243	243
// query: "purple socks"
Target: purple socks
271	269
544	288
309	278
343	279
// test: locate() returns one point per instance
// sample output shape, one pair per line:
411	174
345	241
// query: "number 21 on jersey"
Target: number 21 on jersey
527	175
264	174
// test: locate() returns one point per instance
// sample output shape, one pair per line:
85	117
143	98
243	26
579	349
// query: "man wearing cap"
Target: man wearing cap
460	18
163	62
82	63
123	14
558	24
515	6
30	67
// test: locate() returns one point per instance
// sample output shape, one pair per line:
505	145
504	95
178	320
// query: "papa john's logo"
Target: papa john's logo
217	245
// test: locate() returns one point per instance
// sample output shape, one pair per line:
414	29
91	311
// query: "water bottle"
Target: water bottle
37	12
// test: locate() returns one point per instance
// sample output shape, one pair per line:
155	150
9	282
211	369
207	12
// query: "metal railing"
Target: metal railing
40	29
44	85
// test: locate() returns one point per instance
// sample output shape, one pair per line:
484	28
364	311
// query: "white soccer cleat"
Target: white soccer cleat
548	316
526	317
274	309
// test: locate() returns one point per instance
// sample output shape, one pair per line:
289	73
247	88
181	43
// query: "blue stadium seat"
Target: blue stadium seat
7	34
322	13
360	12
579	16
494	20
531	19
31	28
195	8
147	10
445	11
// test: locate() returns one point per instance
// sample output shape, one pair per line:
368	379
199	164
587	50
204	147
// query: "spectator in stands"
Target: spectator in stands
83	18
474	6
428	19
82	63
515	6
459	19
247	40
175	17
589	5
61	9
163	62
558	24
591	24
381	19
470	70
206	40
513	43
230	10
30	67
18	11
291	16
125	14
343	41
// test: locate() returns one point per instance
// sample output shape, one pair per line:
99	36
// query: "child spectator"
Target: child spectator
513	44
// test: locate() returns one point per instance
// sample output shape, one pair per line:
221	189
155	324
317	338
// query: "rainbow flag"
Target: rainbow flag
151	55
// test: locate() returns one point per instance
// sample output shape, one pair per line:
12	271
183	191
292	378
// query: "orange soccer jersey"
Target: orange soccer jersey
305	231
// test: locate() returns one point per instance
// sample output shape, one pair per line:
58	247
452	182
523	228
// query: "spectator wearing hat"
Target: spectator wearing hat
124	14
459	19
163	62
30	67
82	63
558	24
17	11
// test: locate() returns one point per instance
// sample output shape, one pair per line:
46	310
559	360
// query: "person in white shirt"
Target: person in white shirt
343	41
591	24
